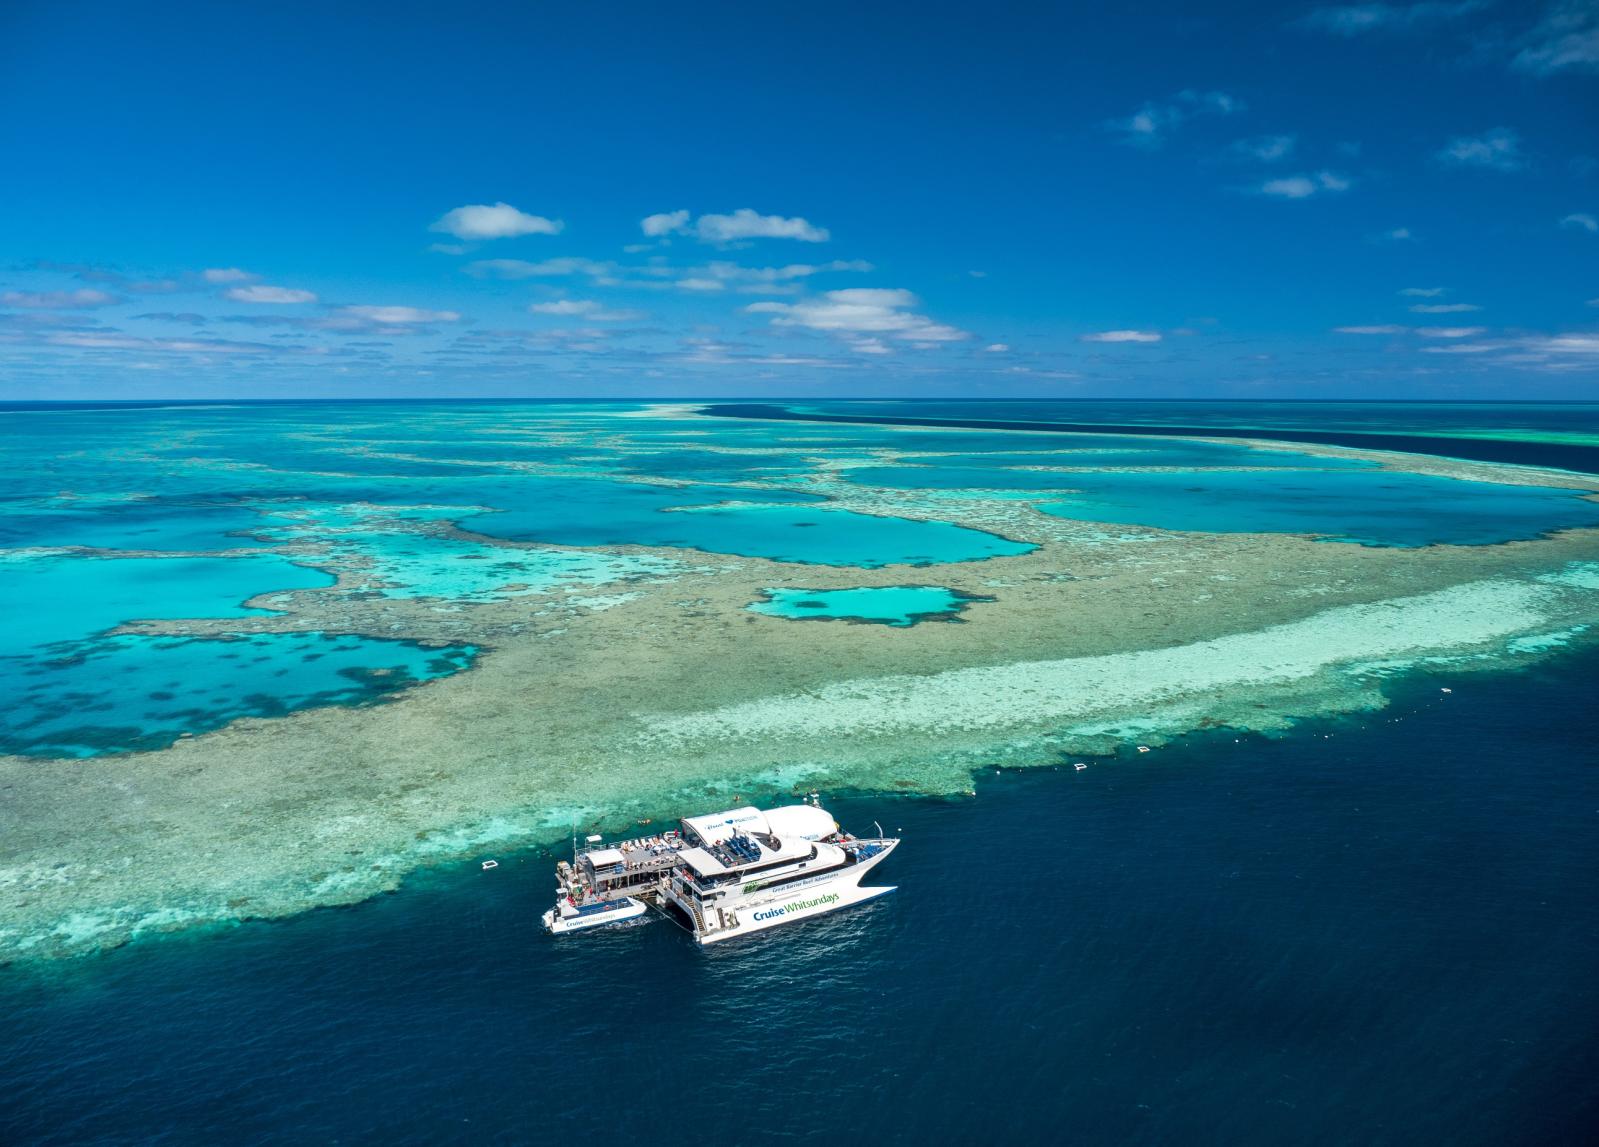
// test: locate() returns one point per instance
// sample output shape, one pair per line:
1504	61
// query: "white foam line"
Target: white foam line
1033	692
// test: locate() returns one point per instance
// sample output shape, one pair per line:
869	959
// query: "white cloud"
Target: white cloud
1355	19
1266	148
260	293
747	224
400	315
1497	150
1449	332
1580	221
664	223
447	248
81	299
1122	337
1423	292
547	268
1566	39
1444	308
693	284
861	311
1304	186
226	275
587	308
1151	124
1397	235
496	221
1382	329
732	272
1571	344
997	348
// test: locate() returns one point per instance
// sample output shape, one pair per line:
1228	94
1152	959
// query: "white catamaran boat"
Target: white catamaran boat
722	875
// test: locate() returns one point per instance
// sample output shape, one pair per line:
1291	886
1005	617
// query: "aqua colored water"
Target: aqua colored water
135	526
136	692
58	597
414	565
1564	434
896	605
1384	937
1373	508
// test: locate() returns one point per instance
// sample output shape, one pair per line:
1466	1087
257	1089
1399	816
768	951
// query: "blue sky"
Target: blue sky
1240	200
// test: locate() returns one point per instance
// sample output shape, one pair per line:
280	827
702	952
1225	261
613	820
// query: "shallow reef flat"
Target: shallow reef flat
608	683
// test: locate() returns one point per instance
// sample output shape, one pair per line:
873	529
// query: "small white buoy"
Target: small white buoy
1446	690
488	864
1143	748
1079	766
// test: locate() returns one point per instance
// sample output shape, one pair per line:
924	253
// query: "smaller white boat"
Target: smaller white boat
569	917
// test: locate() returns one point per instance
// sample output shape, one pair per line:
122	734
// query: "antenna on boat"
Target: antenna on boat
574	840
879	829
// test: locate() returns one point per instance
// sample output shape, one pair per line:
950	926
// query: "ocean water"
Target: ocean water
129	692
1371	931
1375	930
897	605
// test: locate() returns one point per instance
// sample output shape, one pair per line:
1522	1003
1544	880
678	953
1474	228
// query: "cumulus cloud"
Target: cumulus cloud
1497	150
1567	39
1304	186
1380	329
1151	124
742	224
997	348
261	293
1449	332
748	224
399	316
494	221
1122	337
861	312
1580	221
587	308
82	299
546	268
1356	19
227	275
664	223
1444	308
700	284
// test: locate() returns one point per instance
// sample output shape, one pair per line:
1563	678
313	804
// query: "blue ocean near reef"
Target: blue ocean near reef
1354	924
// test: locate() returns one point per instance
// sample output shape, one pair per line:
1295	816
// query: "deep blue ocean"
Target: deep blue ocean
1375	930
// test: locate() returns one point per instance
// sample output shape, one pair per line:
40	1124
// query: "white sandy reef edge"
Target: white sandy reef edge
1075	690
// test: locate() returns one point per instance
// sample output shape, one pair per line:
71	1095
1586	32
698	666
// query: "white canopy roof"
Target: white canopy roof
795	820
605	857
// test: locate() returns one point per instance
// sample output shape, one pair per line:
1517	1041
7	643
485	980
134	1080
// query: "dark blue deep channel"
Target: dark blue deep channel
1388	935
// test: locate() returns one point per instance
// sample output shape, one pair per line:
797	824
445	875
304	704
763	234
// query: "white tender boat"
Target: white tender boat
723	875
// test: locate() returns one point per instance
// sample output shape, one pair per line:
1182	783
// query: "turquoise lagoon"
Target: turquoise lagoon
372	489
896	605
1375	508
132	692
73	689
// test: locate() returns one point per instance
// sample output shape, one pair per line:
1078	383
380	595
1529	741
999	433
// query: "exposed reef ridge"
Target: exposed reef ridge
612	682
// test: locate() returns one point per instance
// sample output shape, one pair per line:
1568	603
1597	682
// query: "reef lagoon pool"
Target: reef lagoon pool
896	605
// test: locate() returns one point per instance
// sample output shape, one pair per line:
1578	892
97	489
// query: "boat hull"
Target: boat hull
759	914
559	923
